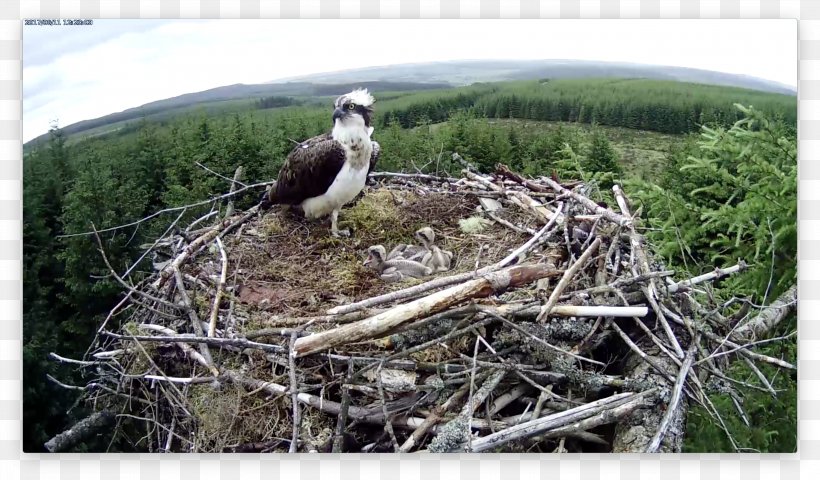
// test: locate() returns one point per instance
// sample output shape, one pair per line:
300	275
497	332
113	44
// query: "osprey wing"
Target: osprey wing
308	171
374	157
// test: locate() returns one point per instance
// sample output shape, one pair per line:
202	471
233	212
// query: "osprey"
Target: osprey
325	172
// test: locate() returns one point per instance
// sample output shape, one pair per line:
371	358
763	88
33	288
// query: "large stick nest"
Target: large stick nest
264	333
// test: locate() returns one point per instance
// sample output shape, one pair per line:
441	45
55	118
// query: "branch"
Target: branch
443	282
714	275
556	420
168	210
79	432
380	324
769	317
219	289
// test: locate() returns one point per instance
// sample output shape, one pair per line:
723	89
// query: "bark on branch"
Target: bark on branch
79	432
380	324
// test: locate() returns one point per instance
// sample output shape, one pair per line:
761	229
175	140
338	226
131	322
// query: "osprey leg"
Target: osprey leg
334	228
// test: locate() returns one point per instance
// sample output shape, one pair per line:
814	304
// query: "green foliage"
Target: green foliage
729	194
732	194
712	195
772	421
662	106
276	102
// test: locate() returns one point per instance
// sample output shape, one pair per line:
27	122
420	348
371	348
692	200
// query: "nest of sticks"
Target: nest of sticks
555	330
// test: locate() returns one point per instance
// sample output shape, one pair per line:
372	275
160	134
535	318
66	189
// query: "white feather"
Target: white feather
361	97
348	183
351	178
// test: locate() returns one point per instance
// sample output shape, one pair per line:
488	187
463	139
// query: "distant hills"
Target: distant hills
464	72
422	76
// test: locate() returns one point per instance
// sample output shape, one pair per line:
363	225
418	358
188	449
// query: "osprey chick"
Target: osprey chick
325	172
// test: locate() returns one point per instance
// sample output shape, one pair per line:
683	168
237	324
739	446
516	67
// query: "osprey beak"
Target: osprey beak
338	113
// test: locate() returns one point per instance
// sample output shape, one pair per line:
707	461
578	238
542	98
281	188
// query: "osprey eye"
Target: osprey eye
351	106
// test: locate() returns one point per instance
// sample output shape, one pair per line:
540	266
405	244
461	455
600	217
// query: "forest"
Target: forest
713	169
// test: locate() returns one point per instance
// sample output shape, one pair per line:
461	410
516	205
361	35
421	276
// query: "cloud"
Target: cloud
43	45
79	73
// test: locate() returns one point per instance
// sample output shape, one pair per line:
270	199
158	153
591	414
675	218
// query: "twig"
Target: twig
71	360
194	318
745	347
233	181
673	402
560	419
431	304
294	393
341	420
217	342
635	348
566	278
388	426
220	286
445	281
168	210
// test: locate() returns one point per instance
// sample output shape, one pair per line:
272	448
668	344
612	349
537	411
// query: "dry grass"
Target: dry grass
288	266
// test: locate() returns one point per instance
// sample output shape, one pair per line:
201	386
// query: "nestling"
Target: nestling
437	259
394	270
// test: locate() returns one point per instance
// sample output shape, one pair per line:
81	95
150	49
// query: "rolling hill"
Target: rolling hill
411	77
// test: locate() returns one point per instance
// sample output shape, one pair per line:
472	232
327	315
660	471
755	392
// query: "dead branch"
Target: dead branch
378	325
80	431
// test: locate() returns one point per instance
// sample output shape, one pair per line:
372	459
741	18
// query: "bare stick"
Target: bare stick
770	316
341	420
186	380
566	278
575	311
71	360
220	286
85	428
217	342
589	204
237	176
413	176
635	348
171	209
194	318
745	347
641	265
560	419
294	394
388	426
445	281
673	402
706	277
380	324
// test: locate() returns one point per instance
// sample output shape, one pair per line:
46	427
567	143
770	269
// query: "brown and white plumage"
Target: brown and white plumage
325	172
394	270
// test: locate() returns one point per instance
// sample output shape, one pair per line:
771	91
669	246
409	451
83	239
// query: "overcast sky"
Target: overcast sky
77	73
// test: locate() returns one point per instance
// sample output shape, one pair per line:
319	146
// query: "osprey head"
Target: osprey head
426	236
375	256
354	106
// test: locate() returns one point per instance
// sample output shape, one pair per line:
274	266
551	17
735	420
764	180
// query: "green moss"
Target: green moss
376	215
473	224
271	226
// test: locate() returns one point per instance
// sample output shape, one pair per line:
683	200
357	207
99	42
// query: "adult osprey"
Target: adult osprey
325	172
